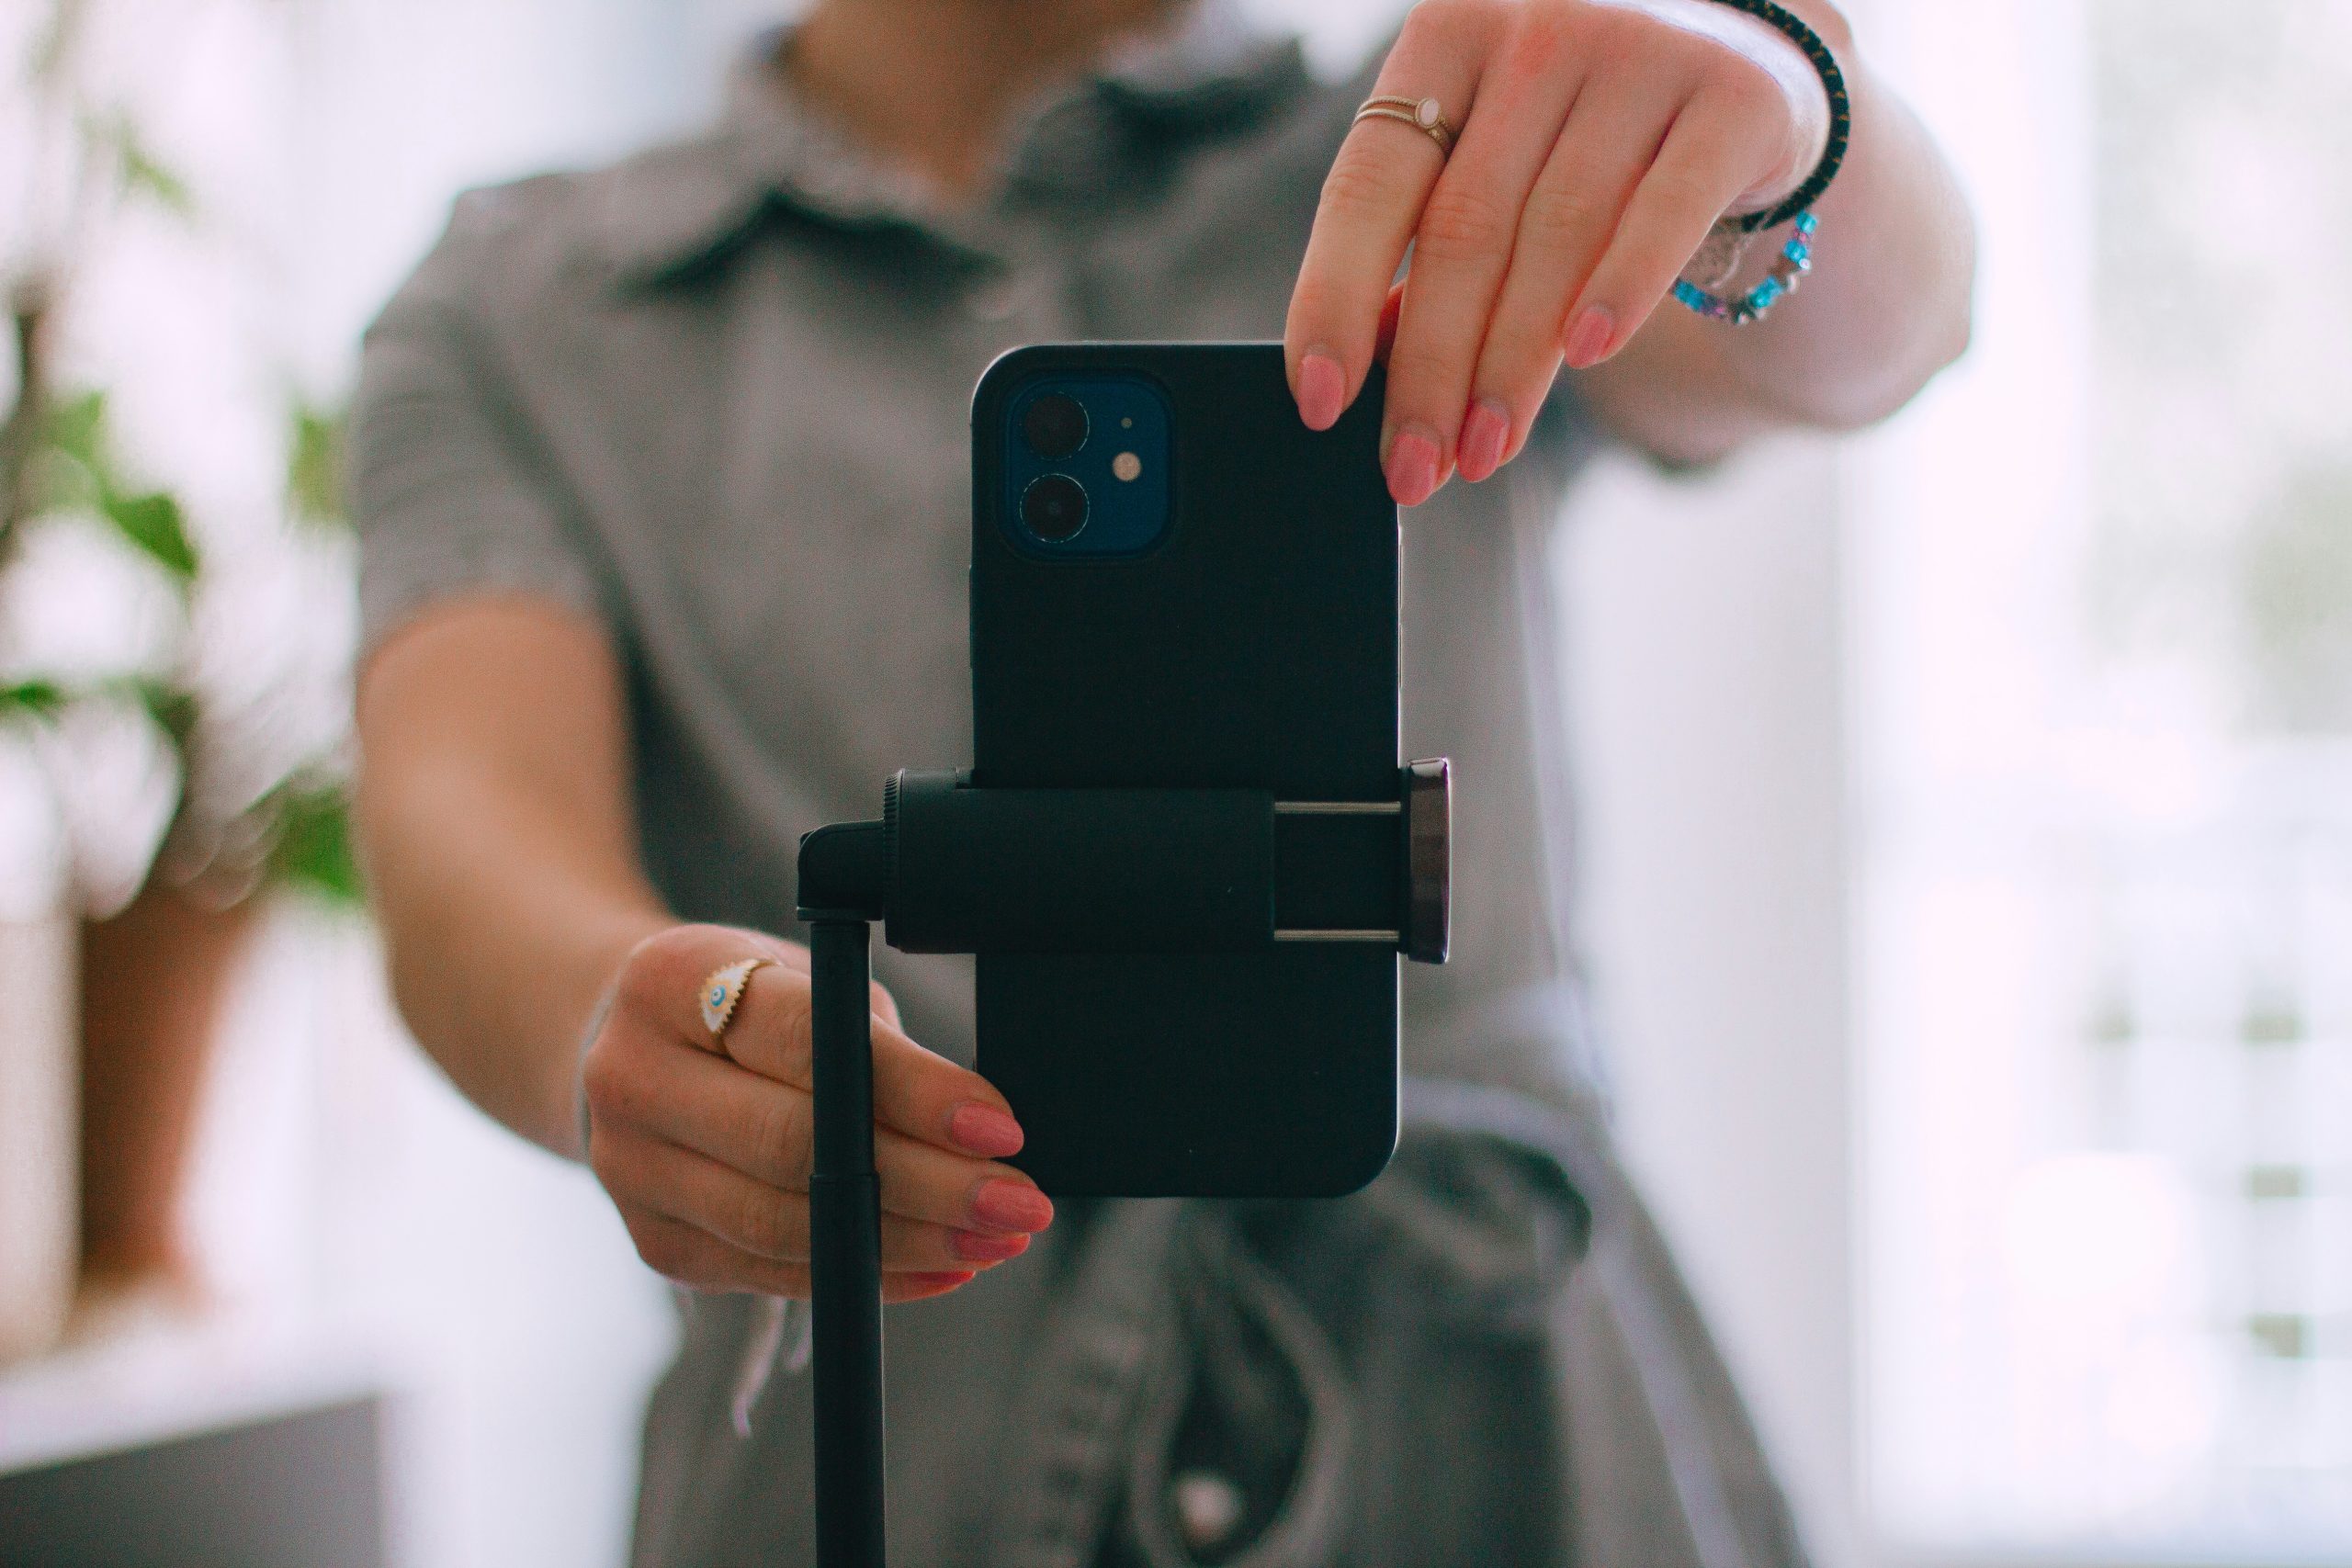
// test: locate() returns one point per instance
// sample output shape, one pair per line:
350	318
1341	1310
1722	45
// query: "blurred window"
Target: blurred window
2103	609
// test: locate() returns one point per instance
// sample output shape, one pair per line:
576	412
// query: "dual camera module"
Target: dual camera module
1054	506
1085	466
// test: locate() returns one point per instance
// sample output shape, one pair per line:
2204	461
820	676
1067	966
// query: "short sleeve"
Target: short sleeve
447	487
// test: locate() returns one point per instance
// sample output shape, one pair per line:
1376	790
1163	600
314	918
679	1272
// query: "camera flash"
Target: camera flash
1127	466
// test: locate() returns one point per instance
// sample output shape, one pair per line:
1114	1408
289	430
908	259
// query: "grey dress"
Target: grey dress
715	399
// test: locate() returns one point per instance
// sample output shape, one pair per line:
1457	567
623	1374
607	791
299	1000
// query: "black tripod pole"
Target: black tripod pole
845	1249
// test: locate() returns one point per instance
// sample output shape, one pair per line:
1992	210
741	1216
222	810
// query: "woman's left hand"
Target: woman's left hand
1599	140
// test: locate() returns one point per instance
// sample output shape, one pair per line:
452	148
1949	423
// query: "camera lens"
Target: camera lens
1053	507
1055	426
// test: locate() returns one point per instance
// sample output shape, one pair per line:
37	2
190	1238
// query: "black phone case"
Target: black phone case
1255	645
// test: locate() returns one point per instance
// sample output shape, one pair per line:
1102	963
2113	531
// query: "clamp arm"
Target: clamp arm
952	868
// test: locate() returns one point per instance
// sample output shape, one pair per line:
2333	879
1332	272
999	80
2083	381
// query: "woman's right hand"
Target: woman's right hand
705	1145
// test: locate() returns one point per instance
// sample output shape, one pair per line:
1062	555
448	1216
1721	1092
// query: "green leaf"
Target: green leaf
72	461
314	851
314	466
35	698
76	427
173	709
138	168
153	524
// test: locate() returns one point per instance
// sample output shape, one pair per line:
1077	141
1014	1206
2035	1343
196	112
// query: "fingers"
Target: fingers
1372	203
662	981
1462	247
681	1096
1701	168
1571	215
763	1131
767	1222
916	1091
678	1252
1599	142
702	1261
927	1183
705	1146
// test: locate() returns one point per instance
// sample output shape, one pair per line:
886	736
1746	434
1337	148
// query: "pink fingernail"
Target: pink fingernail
985	1129
1412	467
1012	1205
1587	340
1322	391
1483	434
982	1248
931	1284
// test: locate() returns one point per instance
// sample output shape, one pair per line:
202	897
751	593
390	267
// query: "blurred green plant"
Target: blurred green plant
297	835
312	851
59	463
75	469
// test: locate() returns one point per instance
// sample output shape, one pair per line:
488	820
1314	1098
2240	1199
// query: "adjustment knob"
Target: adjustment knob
1428	859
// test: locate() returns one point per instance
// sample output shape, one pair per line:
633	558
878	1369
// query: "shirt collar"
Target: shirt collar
669	212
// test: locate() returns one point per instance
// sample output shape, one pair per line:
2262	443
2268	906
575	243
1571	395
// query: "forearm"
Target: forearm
493	813
1885	307
499	939
494	808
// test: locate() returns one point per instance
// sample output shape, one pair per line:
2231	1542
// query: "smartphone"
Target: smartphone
1175	583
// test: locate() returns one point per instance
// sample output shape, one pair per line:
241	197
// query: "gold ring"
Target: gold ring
722	992
1424	115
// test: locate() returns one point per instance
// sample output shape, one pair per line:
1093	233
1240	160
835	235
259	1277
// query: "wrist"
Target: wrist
1808	118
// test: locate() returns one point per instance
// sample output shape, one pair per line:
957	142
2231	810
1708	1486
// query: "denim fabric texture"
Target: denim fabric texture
1485	1357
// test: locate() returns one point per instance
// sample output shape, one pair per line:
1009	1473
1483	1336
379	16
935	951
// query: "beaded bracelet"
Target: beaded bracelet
1841	113
1794	261
1721	255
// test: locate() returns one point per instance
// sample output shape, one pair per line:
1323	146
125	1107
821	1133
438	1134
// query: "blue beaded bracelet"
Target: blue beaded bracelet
1795	260
1720	257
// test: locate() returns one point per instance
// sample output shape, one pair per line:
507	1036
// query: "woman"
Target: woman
661	473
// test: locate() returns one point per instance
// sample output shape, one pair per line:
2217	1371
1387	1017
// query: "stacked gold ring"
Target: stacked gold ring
1424	115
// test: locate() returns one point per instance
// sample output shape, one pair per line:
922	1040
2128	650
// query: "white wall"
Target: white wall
1705	679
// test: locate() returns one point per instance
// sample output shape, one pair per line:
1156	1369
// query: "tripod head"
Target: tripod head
950	867
953	868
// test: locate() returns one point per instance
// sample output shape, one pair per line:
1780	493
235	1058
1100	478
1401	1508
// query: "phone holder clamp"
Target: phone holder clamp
950	867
